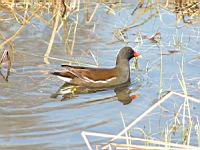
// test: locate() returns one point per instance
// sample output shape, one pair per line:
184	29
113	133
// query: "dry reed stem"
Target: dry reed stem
66	37
60	59
87	10
94	58
141	147
143	115
48	51
118	136
7	9
184	88
126	134
155	142
25	12
75	28
95	9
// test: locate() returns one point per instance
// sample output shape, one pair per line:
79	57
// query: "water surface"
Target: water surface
30	119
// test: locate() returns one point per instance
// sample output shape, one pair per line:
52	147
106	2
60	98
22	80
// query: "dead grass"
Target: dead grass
183	121
24	11
142	142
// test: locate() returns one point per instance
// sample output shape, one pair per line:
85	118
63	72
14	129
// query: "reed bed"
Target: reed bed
59	11
23	12
185	122
150	142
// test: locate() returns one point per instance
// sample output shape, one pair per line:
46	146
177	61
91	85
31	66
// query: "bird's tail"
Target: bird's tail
57	73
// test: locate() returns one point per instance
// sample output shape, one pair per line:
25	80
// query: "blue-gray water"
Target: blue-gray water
30	119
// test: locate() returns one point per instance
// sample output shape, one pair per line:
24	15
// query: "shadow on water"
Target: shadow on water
123	93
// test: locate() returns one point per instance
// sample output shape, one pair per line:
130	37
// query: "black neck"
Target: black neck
122	65
122	62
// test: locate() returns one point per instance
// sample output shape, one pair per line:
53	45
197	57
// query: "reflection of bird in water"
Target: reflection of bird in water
123	93
89	80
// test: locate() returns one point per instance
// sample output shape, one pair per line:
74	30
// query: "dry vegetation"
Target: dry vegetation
183	122
22	12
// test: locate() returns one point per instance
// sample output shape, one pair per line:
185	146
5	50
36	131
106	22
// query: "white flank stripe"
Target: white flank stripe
68	91
99	81
65	78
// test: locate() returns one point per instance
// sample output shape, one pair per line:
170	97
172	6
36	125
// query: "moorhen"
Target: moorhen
99	77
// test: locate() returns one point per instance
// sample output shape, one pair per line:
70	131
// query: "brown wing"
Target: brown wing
91	72
94	74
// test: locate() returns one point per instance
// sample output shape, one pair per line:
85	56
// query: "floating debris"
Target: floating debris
5	65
